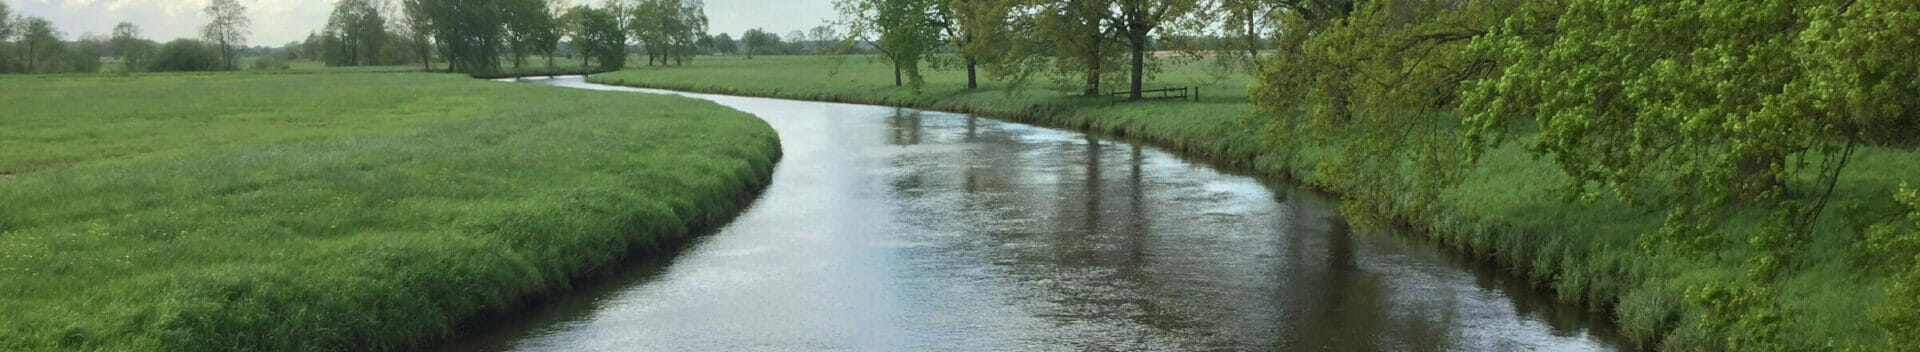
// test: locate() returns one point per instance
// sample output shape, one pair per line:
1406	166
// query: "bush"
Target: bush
186	55
269	63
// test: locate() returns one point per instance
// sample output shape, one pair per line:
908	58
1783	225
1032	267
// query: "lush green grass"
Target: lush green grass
334	211
1510	211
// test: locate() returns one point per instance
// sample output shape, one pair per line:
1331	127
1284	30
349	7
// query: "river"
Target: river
889	229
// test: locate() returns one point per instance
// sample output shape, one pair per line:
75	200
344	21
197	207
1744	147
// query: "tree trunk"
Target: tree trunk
1093	67
896	74
973	77
1253	45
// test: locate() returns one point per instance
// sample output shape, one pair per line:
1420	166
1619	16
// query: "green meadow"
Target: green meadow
1511	211
335	211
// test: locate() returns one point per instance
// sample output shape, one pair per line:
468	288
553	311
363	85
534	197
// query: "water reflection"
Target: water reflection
897	229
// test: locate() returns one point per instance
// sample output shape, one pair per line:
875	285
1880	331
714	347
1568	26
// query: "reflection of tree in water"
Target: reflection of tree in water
1044	213
1336	302
905	126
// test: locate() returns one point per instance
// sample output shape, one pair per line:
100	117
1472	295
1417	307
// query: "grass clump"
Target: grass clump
1510	209
334	212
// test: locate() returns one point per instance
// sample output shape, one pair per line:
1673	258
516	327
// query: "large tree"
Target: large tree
724	44
6	33
40	45
960	33
132	49
417	30
1136	22
6	30
1373	84
530	27
1705	109
1244	28
228	27
906	32
1072	41
601	37
755	39
653	21
358	32
470	33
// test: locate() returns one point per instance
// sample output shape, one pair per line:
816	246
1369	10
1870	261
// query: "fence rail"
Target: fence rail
1181	93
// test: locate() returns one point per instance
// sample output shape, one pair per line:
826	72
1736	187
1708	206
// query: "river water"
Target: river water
889	229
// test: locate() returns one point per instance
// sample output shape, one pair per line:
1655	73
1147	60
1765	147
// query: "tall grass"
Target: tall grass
1510	212
334	212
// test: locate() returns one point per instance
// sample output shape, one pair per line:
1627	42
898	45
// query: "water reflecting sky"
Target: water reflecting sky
896	229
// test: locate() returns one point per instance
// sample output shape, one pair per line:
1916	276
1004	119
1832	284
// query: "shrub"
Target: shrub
269	63
186	55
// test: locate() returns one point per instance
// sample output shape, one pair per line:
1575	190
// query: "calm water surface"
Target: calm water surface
891	229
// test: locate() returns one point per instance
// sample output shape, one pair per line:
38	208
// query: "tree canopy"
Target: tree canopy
228	28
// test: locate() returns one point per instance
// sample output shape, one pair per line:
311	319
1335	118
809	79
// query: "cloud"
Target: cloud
276	22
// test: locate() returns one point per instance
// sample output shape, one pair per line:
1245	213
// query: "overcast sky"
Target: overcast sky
277	22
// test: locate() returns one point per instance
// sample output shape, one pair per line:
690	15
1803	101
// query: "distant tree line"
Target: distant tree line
480	36
34	45
1076	42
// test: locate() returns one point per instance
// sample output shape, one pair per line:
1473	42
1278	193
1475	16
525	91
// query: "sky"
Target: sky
277	22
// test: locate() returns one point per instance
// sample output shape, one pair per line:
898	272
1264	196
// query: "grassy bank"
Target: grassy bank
1510	212
334	211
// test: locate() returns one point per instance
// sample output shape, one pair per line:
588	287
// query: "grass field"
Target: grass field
1509	212
334	211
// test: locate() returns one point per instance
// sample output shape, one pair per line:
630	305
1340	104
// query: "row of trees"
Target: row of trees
819	40
473	35
34	45
1088	41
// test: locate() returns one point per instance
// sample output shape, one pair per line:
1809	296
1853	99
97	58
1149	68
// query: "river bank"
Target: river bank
1509	213
332	212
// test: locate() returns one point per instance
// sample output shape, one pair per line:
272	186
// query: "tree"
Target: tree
7	30
228	28
84	55
313	46
417	31
6	22
690	25
602	38
470	32
797	42
358	32
724	44
1136	21
821	36
1068	40
960	33
653	22
128	44
755	39
1244	24
530	29
186	55
1374	84
40	44
904	32
1704	109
